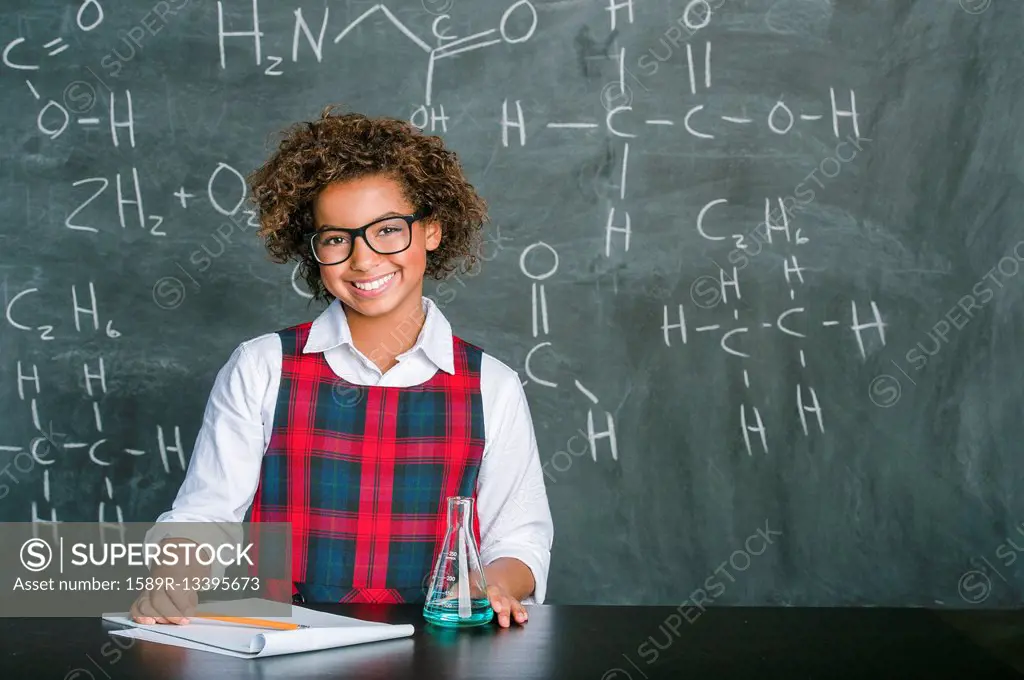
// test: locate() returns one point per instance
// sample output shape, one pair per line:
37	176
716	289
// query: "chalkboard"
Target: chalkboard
757	263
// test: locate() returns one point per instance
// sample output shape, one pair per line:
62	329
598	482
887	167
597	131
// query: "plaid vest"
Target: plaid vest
363	473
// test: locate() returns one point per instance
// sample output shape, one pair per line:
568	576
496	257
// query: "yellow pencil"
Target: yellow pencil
245	621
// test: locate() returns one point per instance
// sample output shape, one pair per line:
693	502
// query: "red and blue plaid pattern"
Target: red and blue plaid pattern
363	473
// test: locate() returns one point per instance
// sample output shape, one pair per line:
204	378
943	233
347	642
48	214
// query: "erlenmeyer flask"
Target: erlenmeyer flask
457	595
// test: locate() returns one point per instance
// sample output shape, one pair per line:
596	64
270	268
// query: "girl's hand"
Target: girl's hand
505	606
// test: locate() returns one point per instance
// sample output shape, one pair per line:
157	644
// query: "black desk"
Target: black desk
562	642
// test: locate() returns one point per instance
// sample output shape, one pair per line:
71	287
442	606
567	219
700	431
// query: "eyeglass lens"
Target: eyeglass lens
389	236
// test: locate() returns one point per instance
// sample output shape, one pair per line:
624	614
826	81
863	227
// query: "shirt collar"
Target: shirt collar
330	329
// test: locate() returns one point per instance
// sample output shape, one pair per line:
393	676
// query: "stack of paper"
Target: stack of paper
325	631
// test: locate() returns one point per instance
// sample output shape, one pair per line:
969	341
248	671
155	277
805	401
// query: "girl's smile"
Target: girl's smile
375	287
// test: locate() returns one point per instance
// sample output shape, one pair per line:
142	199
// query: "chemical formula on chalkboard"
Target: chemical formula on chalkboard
52	447
780	120
425	115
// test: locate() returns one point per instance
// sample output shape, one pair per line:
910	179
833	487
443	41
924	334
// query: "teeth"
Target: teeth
374	285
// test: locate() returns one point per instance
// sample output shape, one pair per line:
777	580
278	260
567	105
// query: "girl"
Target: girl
357	426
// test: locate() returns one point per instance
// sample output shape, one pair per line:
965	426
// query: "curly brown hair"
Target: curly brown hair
342	146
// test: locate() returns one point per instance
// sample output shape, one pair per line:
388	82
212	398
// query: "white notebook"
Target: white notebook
326	631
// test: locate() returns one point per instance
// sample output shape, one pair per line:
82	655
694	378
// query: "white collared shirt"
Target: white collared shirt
223	473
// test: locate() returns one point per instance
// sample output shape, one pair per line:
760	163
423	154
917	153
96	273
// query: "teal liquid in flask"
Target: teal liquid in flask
457	595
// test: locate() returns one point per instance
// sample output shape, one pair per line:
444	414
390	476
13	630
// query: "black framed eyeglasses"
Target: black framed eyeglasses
386	236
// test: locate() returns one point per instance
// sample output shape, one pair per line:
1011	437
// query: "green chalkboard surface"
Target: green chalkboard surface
757	262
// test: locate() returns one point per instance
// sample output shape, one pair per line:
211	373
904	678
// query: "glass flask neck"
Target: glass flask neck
460	511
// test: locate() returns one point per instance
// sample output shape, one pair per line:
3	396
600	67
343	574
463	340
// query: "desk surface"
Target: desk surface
562	642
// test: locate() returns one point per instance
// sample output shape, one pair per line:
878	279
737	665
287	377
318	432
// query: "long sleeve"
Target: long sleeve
224	469
515	519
